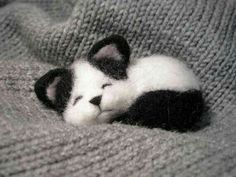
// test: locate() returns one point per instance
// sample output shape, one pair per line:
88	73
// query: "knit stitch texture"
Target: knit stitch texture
38	35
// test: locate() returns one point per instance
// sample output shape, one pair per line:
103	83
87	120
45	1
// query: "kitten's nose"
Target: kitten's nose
96	100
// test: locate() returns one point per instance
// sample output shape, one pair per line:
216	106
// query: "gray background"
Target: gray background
38	35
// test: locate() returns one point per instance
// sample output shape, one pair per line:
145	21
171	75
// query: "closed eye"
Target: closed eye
77	99
106	85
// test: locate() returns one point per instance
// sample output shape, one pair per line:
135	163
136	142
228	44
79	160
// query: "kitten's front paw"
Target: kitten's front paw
118	97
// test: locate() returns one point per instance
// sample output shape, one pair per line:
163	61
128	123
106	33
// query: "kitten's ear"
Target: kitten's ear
46	87
111	56
114	48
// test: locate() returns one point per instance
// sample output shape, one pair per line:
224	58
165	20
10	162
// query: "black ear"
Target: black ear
53	89
114	47
111	55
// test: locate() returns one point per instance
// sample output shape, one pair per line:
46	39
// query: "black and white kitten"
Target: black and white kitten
155	91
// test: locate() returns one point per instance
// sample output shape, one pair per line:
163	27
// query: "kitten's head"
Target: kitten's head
90	90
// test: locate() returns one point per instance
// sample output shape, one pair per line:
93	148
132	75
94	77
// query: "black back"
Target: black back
171	110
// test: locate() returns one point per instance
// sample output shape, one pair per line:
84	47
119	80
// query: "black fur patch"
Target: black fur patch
63	88
63	91
166	109
114	69
110	66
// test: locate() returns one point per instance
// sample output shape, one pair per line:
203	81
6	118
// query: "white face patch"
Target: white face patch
144	75
89	82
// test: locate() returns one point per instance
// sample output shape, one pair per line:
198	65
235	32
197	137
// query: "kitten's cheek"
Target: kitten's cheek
109	100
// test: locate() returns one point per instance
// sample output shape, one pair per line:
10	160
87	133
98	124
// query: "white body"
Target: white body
144	75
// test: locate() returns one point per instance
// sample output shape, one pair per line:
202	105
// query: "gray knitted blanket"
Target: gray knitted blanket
38	35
